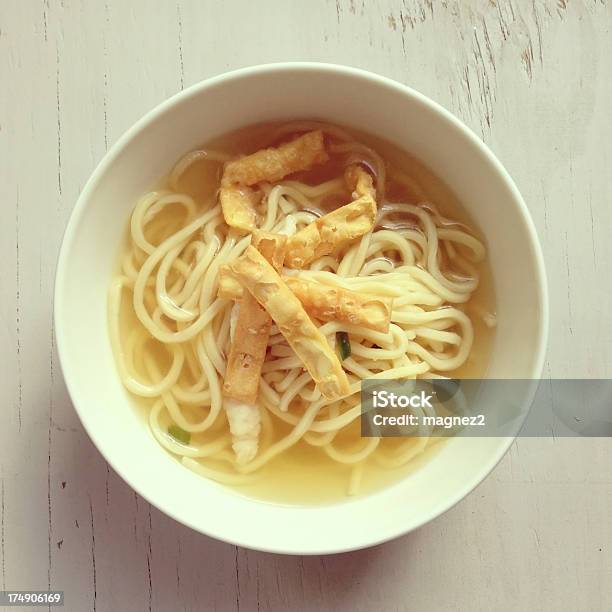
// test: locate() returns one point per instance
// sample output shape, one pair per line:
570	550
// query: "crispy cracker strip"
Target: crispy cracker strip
239	205
309	344
323	301
359	182
330	232
271	246
245	425
248	349
338	304
229	286
273	164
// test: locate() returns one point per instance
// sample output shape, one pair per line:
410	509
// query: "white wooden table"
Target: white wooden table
533	79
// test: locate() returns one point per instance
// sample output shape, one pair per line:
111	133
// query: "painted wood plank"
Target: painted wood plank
530	78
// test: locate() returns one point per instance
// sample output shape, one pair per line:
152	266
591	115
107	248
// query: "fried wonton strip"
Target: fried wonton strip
248	349
275	163
269	165
339	304
324	302
309	344
330	232
238	204
359	182
245	424
271	246
246	357
229	287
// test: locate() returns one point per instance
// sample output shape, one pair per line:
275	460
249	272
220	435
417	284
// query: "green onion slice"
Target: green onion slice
343	345
180	435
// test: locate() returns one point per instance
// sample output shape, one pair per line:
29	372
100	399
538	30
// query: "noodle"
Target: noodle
173	349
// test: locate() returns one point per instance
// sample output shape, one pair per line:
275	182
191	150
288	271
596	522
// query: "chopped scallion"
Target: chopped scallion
343	345
180	435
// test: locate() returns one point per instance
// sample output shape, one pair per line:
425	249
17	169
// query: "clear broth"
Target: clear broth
303	474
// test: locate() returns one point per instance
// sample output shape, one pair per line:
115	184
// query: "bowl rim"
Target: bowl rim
366	539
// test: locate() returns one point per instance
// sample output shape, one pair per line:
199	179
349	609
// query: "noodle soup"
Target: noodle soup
271	272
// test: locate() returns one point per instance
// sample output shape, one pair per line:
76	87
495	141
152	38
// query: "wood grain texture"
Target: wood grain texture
532	78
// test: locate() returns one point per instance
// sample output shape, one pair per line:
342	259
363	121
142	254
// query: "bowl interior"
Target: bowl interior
145	153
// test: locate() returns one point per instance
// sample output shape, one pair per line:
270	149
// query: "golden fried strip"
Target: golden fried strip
323	301
331	231
248	349
338	304
359	182
229	287
309	344
273	164
271	246
238	204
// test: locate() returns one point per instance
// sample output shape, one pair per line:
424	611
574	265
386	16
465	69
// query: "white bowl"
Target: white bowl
147	151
